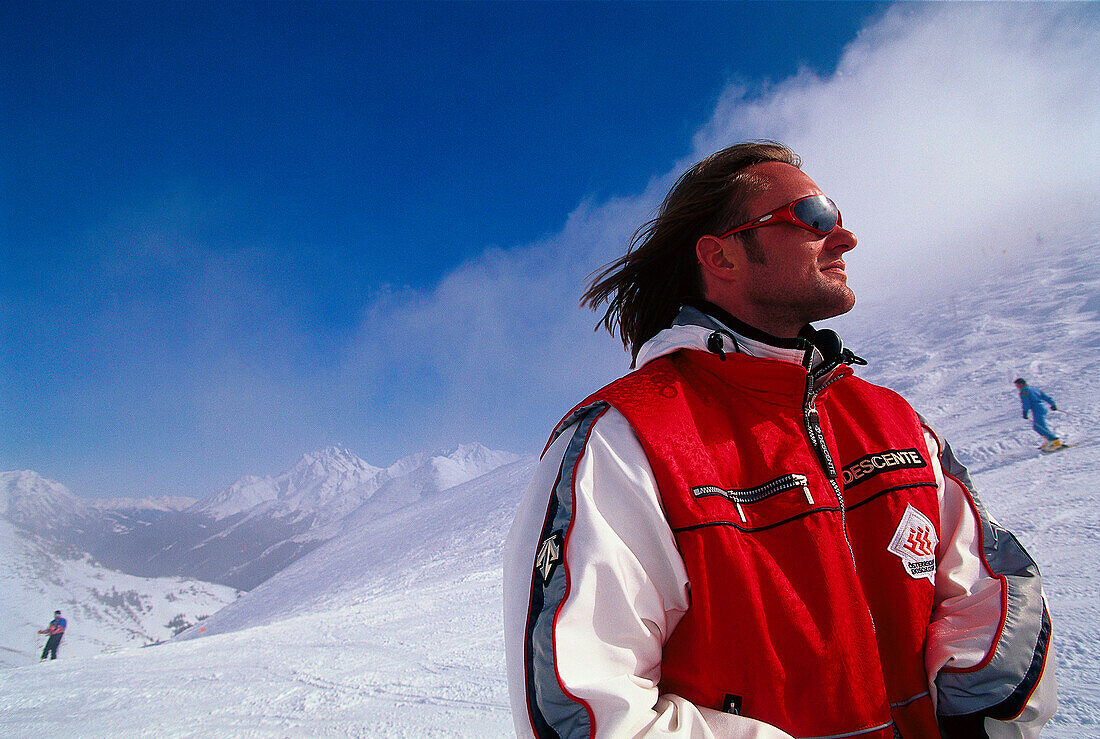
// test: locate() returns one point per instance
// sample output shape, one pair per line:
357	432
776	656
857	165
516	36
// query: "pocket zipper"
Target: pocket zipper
790	481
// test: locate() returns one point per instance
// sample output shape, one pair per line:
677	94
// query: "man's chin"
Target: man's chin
839	307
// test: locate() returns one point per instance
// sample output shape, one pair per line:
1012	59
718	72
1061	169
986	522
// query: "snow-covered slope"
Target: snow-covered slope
393	628
106	609
453	537
45	566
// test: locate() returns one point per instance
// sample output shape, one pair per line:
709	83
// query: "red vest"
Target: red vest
808	608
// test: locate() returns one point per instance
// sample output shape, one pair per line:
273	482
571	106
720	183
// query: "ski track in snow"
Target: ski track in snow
394	628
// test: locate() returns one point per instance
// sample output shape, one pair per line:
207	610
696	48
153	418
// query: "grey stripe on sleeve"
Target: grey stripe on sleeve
1000	689
552	711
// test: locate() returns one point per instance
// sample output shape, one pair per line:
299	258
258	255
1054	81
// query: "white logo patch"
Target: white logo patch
548	557
915	543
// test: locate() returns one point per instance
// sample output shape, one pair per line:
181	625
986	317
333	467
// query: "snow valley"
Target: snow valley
133	572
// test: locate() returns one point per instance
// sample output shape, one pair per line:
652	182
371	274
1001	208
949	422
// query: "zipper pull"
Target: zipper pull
817	441
805	482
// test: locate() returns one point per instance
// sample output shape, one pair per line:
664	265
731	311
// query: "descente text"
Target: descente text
875	464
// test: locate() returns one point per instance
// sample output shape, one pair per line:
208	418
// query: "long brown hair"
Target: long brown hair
643	289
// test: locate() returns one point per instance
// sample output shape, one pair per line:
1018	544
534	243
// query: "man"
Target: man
741	538
1032	399
56	630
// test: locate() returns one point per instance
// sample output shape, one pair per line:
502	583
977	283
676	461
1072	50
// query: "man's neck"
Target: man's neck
750	331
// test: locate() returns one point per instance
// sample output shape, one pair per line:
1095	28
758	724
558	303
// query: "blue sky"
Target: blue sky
233	233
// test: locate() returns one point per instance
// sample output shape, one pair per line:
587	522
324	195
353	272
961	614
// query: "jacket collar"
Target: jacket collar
707	327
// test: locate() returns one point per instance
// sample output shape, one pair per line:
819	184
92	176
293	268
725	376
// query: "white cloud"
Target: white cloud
947	133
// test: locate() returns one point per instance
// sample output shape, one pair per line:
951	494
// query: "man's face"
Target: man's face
791	276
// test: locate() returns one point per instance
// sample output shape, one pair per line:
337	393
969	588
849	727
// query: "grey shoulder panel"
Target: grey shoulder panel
575	416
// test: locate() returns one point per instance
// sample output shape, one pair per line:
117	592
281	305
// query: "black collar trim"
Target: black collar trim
803	341
832	350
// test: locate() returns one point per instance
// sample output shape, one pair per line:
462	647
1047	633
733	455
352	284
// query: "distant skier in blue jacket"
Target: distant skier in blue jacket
1032	399
56	630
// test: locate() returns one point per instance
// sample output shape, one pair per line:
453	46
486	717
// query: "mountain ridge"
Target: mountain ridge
201	554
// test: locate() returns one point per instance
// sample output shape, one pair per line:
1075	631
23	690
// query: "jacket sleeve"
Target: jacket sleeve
989	654
593	588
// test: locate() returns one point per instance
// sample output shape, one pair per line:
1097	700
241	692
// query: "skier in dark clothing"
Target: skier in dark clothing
1032	399
56	630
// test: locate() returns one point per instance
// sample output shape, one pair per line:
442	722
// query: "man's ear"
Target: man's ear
714	258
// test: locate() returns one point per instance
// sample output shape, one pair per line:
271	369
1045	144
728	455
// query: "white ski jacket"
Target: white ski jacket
628	587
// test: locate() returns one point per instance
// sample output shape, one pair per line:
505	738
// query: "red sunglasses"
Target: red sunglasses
814	213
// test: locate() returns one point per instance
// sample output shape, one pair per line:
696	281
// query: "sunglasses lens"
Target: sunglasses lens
818	212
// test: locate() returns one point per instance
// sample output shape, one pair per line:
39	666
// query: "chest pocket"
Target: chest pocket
784	498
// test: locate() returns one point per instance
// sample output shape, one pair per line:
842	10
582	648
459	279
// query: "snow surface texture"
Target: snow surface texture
393	628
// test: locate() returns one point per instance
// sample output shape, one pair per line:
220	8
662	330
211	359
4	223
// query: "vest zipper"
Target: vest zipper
813	429
817	441
790	481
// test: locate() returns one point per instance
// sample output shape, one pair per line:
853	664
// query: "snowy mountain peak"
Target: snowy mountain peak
332	461
474	453
465	462
313	482
330	483
469	456
429	473
36	503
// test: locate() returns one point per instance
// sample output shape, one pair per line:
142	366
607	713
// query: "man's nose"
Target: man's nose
842	239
